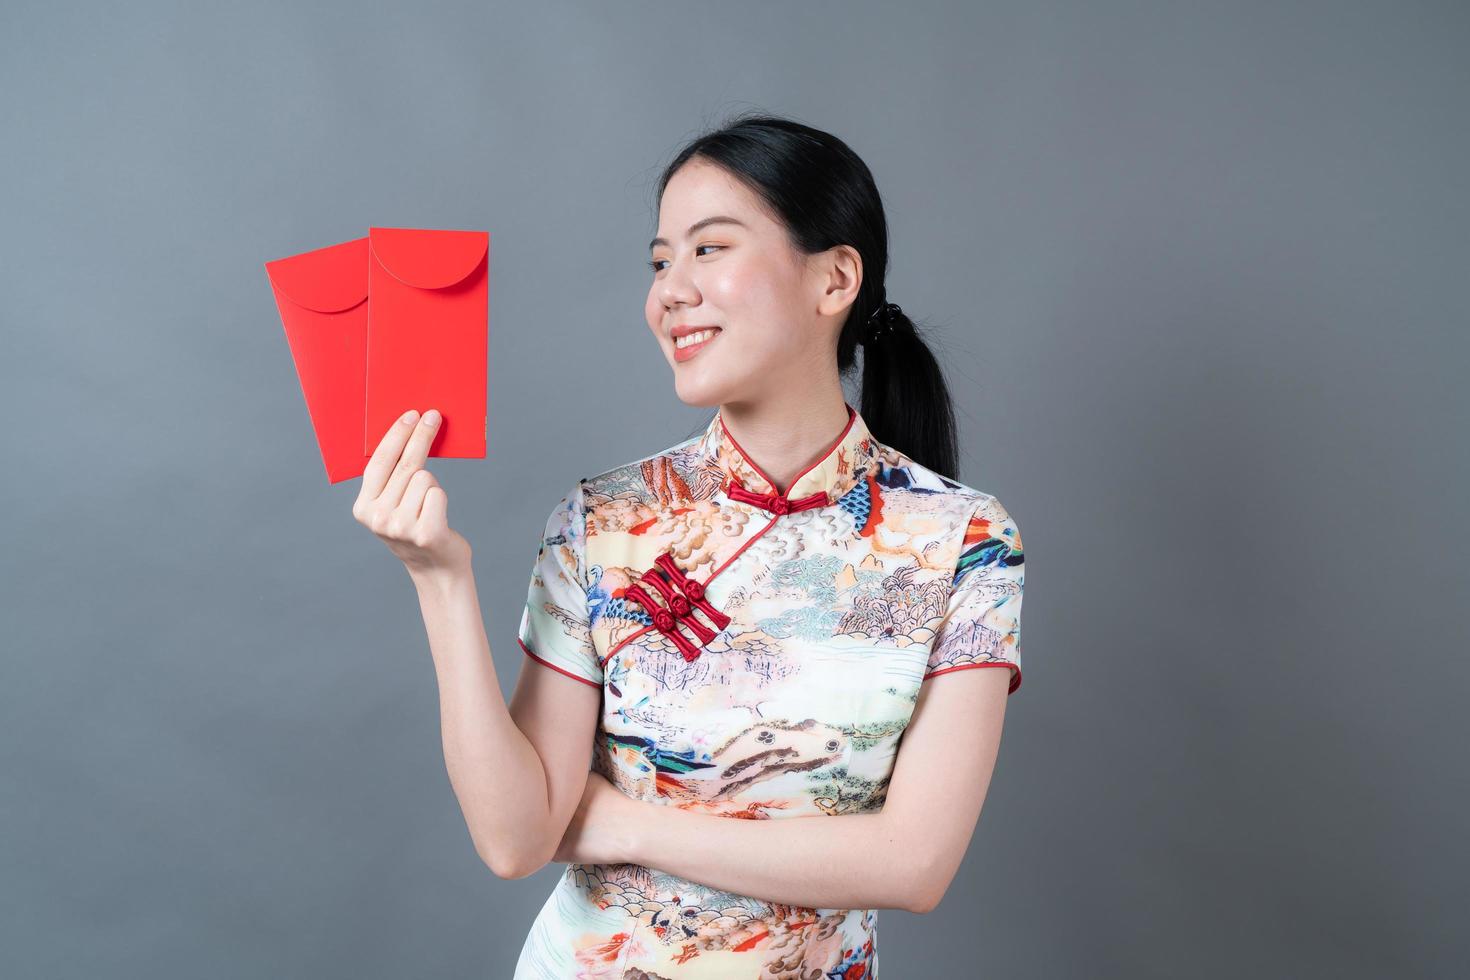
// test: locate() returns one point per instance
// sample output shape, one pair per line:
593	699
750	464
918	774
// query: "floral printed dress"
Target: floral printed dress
759	656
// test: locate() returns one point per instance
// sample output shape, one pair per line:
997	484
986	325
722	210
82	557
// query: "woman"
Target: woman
744	624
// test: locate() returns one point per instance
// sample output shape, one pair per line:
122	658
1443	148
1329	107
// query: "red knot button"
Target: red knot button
694	589
679	605
779	505
663	620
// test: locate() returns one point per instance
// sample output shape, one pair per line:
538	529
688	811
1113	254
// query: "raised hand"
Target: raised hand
404	505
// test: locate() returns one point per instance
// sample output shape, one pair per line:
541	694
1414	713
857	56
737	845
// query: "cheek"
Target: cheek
742	290
758	300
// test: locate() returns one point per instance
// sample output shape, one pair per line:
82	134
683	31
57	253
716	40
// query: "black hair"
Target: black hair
826	196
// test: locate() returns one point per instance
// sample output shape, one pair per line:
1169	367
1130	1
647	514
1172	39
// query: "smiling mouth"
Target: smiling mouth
695	339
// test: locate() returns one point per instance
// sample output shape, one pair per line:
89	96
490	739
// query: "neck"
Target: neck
784	436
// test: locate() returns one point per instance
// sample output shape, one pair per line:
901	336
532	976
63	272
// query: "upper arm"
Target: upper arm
558	693
942	773
558	716
948	751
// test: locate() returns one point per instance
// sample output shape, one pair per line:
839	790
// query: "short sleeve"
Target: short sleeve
981	626
555	629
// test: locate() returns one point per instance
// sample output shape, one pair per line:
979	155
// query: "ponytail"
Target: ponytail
905	400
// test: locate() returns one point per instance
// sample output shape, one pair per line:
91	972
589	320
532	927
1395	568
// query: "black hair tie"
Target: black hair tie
883	321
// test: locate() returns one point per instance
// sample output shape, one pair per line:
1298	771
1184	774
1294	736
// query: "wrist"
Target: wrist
440	582
639	824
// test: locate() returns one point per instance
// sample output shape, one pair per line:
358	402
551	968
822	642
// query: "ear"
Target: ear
840	276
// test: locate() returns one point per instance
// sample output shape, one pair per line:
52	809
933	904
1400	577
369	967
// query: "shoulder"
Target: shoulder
675	474
956	504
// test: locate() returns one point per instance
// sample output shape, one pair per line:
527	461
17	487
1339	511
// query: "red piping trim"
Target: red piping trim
575	677
851	414
740	550
1015	672
624	642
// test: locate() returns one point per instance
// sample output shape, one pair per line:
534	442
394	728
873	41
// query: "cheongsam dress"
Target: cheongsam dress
759	655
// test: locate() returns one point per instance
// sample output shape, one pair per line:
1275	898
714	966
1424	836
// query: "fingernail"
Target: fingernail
409	416
431	417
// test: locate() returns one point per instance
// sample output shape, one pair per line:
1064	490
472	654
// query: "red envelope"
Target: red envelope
321	295
427	335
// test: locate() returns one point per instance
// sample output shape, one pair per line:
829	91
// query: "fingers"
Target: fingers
411	460
434	514
411	506
390	447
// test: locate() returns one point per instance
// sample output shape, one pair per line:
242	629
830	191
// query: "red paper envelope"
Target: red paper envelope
427	320
321	296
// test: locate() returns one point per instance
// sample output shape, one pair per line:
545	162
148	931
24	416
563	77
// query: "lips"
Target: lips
679	332
687	351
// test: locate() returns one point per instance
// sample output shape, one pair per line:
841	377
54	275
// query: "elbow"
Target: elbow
927	887
923	900
510	870
509	864
503	870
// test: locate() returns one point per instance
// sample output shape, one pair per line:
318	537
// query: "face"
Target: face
775	311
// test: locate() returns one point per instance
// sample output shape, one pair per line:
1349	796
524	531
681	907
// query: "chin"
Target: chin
703	392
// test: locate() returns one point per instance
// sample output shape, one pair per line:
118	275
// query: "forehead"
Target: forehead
700	190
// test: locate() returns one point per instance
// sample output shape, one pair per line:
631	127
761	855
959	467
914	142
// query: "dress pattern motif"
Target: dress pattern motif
759	655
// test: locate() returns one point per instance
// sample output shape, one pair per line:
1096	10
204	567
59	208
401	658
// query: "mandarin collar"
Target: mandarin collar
843	464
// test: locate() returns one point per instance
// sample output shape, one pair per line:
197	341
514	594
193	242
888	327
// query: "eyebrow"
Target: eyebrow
714	219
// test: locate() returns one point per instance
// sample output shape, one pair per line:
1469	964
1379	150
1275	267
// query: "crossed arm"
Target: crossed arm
903	856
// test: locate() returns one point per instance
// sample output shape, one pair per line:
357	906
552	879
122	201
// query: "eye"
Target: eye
654	263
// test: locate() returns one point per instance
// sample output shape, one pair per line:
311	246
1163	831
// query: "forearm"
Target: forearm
496	774
845	862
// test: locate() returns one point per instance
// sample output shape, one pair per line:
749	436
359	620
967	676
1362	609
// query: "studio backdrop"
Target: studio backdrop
1195	272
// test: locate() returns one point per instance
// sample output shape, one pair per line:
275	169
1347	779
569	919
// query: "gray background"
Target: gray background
1198	272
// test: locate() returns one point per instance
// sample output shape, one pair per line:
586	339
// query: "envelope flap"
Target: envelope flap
328	280
429	258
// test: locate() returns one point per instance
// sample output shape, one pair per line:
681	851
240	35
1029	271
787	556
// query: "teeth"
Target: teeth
694	338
